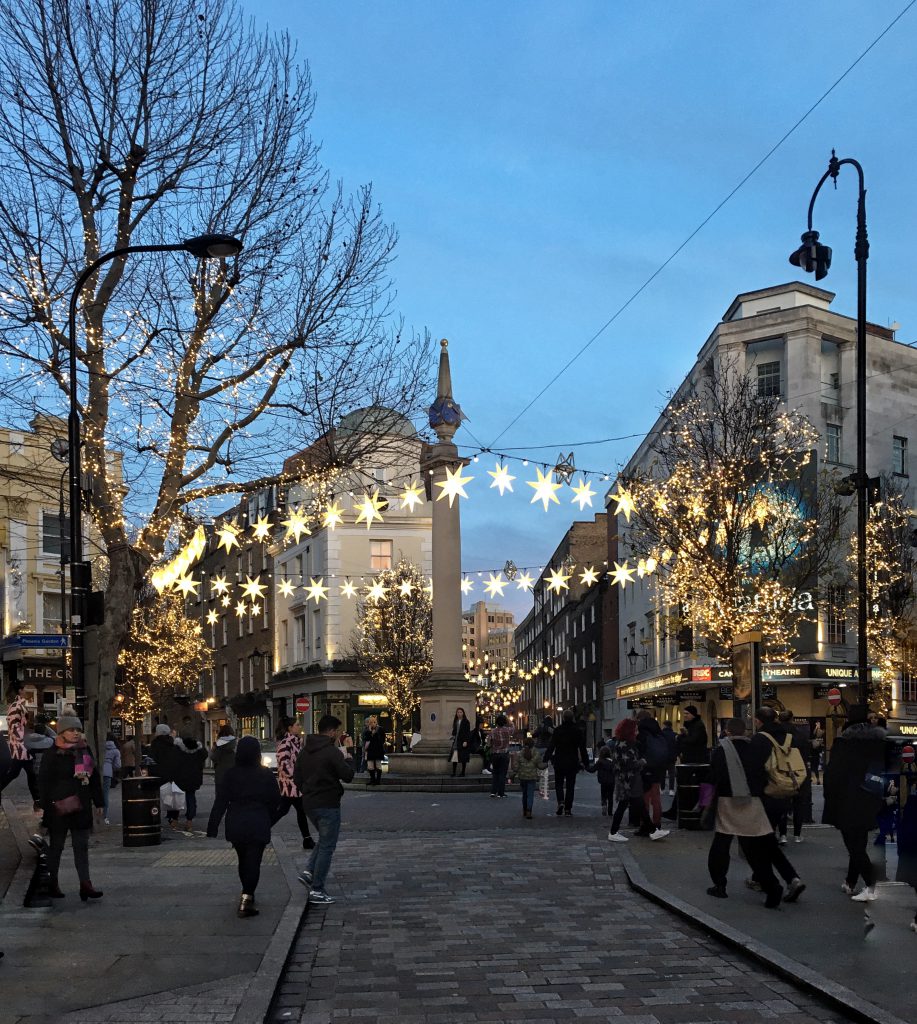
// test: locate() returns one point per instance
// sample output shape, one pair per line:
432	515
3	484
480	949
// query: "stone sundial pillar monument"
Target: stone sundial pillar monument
446	688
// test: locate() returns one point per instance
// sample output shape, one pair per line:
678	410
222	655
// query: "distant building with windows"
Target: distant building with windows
796	347
488	629
34	549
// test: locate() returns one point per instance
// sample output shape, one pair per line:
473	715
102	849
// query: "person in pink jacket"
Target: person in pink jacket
289	744
17	713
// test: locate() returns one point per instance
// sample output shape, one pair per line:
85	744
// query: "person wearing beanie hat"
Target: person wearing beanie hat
70	784
162	730
850	807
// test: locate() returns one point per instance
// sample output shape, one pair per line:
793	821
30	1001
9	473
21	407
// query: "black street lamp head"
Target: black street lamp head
811	256
632	658
207	247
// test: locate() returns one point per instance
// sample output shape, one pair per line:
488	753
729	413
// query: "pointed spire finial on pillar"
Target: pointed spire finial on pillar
445	413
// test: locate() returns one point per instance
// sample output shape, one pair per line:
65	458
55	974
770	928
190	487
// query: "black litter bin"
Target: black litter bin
690	777
140	813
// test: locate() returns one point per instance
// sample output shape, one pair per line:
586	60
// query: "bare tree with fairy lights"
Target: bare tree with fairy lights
731	519
131	122
394	642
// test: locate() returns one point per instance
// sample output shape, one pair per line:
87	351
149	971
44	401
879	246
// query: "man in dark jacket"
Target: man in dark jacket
655	752
691	745
323	764
851	805
163	753
761	748
567	750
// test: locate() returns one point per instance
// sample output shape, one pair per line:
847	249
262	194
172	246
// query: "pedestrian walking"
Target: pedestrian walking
188	773
111	764
500	738
854	793
128	757
321	767
162	751
526	771
655	753
17	713
223	753
739	780
691	748
289	745
461	741
801	803
628	766
543	735
817	752
672	740
69	785
374	750
567	752
248	796
605	771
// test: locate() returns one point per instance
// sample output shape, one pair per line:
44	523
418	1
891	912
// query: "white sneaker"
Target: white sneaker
798	839
846	889
616	837
782	840
660	833
107	822
864	896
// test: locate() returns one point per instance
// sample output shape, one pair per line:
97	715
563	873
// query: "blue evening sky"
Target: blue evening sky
540	160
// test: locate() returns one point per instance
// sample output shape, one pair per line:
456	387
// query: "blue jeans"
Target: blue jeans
499	764
106	788
327	822
528	793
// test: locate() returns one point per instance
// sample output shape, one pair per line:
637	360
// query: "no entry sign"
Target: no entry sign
907	754
302	705
834	696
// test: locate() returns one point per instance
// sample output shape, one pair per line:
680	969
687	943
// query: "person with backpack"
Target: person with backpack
654	750
773	754
854	792
802	799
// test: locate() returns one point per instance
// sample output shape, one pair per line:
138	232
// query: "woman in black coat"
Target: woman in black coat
849	807
248	797
461	741
69	784
188	773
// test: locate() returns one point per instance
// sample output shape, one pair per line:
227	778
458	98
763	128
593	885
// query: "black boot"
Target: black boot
464	766
454	766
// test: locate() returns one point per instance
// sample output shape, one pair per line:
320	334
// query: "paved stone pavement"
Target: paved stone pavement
498	925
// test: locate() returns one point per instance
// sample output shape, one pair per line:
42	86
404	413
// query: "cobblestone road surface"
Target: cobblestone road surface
501	925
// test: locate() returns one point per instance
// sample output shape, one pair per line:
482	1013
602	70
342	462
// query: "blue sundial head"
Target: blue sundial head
447	411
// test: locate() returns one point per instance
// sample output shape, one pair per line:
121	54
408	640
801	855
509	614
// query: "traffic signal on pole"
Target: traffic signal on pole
812	257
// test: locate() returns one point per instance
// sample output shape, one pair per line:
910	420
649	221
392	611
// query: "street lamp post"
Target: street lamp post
811	256
202	246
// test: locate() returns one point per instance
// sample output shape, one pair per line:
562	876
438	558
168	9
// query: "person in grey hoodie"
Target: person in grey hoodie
323	764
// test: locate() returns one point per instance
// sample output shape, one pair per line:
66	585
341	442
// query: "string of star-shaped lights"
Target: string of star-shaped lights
316	591
212	617
454	485
583	495
370	509
405	588
332	516
545	489
375	591
286	588
624	502
411	496
558	580
348	589
261	528
525	581
502	479
622	574
241	609
495	586
219	586
297	524
186	585
589	576
253	589
228	536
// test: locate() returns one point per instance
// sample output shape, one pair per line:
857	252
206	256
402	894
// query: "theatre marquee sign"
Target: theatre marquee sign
774	673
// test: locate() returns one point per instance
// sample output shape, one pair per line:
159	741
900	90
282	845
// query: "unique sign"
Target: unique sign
303	704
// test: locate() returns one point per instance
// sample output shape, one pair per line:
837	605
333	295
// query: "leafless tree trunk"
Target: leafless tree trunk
127	122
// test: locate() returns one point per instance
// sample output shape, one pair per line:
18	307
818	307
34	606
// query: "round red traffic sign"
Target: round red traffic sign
834	696
907	754
302	705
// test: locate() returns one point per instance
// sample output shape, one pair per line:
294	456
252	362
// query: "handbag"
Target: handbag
67	805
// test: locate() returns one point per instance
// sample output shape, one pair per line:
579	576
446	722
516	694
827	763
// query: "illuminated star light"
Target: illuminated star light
186	584
589	576
454	485
370	509
622	575
348	590
296	525
224	601
286	588
316	591
545	489
405	587
525	582
212	618
261	528
495	585
240	609
467	585
376	592
333	516
502	478
228	534
253	588
624	502
412	496
220	585
557	581
255	609
582	495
